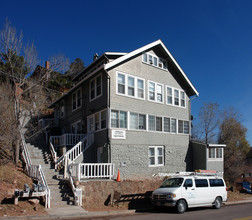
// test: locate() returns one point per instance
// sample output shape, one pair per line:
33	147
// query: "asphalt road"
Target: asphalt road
234	212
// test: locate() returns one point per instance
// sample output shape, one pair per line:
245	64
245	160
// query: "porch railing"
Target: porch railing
92	170
71	155
66	139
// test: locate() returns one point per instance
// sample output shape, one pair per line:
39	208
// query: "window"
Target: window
158	124
152	91
186	127
169	96
218	152
137	121
151	123
140	88
176	97
188	183
97	121
154	61
103	119
156	156
133	121
215	153
130	86
201	182
166	124
76	99
180	127
156	92
211	153
159	93
62	109
183	127
216	182
174	125
182	99
121	83
155	123
118	119
95	88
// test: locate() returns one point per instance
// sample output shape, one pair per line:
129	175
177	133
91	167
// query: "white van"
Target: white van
194	190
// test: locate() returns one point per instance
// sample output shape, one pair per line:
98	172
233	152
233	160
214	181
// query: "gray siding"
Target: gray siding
215	165
131	155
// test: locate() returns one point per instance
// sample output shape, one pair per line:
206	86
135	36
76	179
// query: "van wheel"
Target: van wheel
181	206
217	203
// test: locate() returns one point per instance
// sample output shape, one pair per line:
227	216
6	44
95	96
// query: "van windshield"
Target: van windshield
172	182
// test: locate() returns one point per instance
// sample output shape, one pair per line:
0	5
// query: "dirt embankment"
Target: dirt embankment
11	178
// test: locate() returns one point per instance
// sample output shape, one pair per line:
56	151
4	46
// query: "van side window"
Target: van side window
216	182
201	183
188	183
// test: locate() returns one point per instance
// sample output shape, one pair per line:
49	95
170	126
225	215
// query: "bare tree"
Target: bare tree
206	128
17	63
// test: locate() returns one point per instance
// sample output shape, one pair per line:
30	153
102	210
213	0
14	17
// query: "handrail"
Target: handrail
53	152
76	191
35	171
66	139
71	155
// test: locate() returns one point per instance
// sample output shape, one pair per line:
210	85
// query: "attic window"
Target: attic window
154	61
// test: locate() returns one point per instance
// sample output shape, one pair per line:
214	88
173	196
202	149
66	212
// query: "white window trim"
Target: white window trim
126	86
119	120
93	116
156	101
152	63
156	156
95	84
138	129
173	96
215	158
76	99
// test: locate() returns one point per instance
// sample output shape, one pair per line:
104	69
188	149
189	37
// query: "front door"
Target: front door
99	154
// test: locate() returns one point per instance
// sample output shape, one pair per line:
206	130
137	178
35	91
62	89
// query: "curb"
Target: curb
238	202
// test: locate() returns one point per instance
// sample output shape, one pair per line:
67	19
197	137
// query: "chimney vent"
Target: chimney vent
95	57
47	64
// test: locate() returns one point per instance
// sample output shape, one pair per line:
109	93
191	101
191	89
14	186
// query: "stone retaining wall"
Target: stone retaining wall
96	194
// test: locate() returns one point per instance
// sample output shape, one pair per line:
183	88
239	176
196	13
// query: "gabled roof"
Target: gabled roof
147	47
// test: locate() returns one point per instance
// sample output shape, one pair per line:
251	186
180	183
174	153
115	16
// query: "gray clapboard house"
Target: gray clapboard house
136	107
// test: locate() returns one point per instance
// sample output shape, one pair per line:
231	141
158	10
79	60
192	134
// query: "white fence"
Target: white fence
92	170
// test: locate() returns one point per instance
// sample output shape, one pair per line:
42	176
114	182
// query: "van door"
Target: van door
202	192
188	192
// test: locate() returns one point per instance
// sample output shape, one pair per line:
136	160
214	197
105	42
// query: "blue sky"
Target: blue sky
210	39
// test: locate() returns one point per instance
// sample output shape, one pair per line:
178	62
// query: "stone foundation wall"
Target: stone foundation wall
96	194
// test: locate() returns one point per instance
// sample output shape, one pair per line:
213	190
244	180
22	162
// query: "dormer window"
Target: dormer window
154	61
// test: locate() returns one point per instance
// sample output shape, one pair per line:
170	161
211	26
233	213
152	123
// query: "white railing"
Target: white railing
35	171
71	155
53	152
25	152
66	139
93	170
76	191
